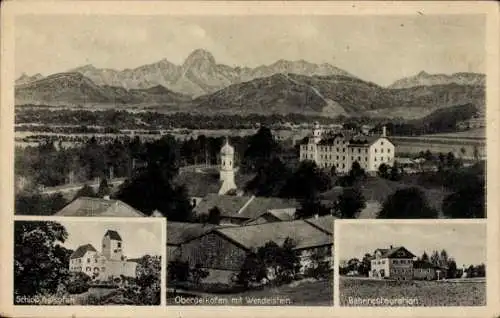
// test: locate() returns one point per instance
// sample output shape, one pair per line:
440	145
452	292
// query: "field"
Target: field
305	293
425	293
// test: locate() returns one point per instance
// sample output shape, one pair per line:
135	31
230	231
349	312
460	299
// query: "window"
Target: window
359	150
382	143
343	165
375	150
337	149
375	158
103	245
88	260
366	159
359	159
343	149
388	150
95	259
343	157
382	150
337	157
119	244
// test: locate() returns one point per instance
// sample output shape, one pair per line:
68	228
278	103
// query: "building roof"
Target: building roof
253	236
81	250
258	205
181	232
227	149
324	223
395	252
244	207
85	206
113	235
286	214
227	204
366	141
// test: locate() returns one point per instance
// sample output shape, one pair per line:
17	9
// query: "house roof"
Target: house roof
227	204
324	223
85	206
358	141
180	232
81	250
113	235
286	214
395	252
245	207
258	205
253	236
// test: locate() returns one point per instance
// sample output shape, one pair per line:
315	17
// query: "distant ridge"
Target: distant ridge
425	79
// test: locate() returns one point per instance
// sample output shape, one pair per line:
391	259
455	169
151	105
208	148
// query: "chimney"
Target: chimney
384	131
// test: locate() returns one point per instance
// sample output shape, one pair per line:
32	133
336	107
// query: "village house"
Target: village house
341	150
223	250
109	263
393	263
424	270
103	207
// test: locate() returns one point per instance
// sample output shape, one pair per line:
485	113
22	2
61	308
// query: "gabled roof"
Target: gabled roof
286	214
324	223
259	205
227	204
85	206
253	236
395	252
367	141
113	235
181	232
81	250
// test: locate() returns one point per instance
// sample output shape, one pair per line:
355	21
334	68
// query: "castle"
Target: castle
105	265
340	150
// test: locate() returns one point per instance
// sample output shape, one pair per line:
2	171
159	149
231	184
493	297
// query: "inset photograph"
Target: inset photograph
88	262
412	264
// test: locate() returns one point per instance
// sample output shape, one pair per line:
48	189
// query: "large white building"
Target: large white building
108	264
341	150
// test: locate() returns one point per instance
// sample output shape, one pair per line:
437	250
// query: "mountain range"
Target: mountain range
202	85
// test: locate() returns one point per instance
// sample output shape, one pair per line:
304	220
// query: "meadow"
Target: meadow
426	293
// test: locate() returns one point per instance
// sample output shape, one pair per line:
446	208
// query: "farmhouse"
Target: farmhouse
394	263
85	206
222	251
341	150
274	215
108	264
425	270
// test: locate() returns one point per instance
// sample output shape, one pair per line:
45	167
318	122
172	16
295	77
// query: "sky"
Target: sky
379	49
139	238
466	243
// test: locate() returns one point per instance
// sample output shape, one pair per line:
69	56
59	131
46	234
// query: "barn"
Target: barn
223	250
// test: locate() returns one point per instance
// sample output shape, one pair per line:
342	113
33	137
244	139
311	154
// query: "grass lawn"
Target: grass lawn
306	293
424	293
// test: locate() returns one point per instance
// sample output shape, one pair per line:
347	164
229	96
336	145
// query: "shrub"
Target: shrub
78	283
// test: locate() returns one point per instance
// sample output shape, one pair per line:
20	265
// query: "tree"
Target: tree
270	179
435	258
148	279
425	257
395	173
41	263
252	270
452	269
198	273
350	203
261	147
104	188
408	203
85	191
37	204
365	265
311	207
306	182
214	216
383	171
467	202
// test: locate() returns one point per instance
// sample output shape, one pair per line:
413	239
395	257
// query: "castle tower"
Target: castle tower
316	133
227	168
112	247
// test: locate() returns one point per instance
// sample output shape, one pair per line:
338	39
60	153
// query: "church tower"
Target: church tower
112	247
227	168
317	133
